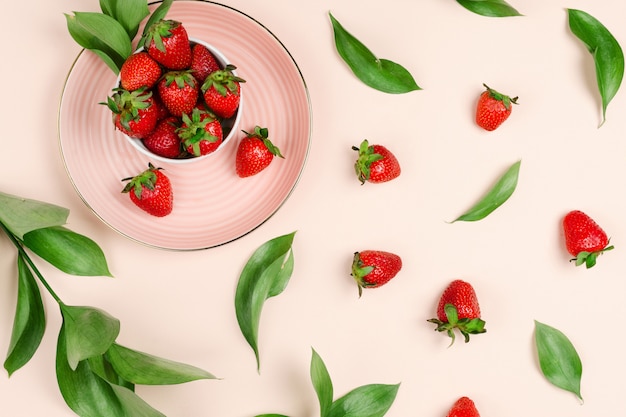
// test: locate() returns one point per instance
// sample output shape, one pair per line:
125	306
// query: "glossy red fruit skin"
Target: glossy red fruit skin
177	53
582	233
151	191
493	108
386	266
139	70
164	140
463	407
203	62
252	157
461	295
177	99
223	105
385	169
201	133
142	125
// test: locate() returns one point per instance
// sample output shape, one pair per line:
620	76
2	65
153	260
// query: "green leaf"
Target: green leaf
21	215
372	400
133	405
322	383
271	415
489	8
558	358
70	252
265	275
380	74
103	368
499	193
29	323
606	52
144	369
100	32
88	332
129	13
158	14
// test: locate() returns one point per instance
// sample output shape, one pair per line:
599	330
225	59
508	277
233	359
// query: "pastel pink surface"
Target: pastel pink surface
212	205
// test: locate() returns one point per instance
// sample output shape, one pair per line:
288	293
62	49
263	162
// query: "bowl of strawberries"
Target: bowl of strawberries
177	99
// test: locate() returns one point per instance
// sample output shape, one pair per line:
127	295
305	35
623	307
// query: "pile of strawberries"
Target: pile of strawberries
174	95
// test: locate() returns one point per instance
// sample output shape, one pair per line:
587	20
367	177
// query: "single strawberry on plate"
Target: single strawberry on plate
164	140
133	112
151	191
493	108
463	407
167	42
222	91
203	62
178	91
584	239
139	70
255	152
374	268
458	309
375	163
201	132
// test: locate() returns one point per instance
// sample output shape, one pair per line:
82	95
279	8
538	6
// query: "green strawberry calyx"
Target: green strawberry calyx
466	326
128	103
367	156
194	129
181	78
157	31
360	271
147	179
589	258
261	133
506	100
224	81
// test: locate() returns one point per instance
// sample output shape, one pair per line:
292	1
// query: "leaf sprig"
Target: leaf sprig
490	8
95	374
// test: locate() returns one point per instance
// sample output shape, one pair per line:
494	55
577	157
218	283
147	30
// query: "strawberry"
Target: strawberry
178	91
203	62
161	110
493	109
201	133
164	141
458	309
375	163
133	111
373	268
254	153
167	42
463	407
584	239
139	70
222	91
151	191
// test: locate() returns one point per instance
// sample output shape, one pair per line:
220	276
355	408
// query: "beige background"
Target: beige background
180	305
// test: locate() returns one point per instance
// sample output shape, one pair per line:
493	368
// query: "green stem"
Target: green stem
30	263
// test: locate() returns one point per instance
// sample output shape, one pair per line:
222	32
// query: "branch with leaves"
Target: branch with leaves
96	375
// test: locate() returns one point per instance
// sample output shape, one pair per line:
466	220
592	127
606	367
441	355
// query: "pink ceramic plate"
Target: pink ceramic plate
212	205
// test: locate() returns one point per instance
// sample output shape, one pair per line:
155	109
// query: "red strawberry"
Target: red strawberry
584	239
167	42
222	90
373	268
178	91
133	112
375	163
151	191
203	62
161	110
493	108
463	407
458	308
254	153
139	70
201	133
164	140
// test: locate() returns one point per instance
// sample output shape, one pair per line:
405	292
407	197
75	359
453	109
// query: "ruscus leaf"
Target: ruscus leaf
68	251
380	74
142	368
88	331
265	275
606	51
490	8
29	323
558	359
372	400
322	383
129	13
271	415
497	195
22	215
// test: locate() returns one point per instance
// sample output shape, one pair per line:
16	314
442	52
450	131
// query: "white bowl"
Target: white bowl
229	126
